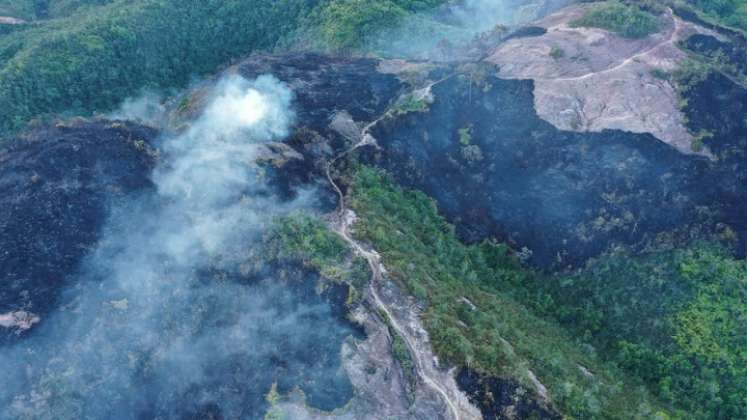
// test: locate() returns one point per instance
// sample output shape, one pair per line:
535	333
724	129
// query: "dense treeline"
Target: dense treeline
677	319
101	54
92	61
347	24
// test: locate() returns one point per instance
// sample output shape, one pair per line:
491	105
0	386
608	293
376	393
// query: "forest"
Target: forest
86	56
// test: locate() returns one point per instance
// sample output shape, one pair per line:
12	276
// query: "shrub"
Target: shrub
624	20
660	74
557	53
410	104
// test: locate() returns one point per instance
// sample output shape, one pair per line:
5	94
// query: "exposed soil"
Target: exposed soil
588	79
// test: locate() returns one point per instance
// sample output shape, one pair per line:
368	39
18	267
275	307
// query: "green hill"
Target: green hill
93	57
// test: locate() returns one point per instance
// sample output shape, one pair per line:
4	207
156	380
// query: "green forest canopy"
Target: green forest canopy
95	53
81	56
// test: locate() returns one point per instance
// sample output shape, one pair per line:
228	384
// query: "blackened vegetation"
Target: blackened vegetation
55	187
527	32
59	185
709	45
565	196
719	106
729	56
501	398
72	176
325	85
303	351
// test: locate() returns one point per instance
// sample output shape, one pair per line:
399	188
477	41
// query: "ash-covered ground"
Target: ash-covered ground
138	284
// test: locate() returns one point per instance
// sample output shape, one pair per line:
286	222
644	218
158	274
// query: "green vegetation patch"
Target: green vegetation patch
95	58
622	19
61	8
96	53
732	13
663	333
305	237
473	314
351	24
410	103
557	53
677	319
465	136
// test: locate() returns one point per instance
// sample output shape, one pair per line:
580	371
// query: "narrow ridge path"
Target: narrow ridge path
344	219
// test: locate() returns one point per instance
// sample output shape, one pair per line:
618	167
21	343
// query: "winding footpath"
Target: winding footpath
425	369
673	37
374	261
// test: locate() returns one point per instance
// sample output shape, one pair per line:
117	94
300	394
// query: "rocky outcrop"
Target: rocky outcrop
381	390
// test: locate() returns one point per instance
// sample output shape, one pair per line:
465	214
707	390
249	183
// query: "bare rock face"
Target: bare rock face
588	79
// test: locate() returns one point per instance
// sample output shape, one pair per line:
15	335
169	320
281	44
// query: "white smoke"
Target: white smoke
421	35
211	173
147	108
144	306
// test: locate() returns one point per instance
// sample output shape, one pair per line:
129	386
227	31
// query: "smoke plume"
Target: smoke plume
423	35
157	324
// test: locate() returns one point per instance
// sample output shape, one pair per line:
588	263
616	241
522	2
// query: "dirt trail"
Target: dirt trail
673	37
425	366
374	261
